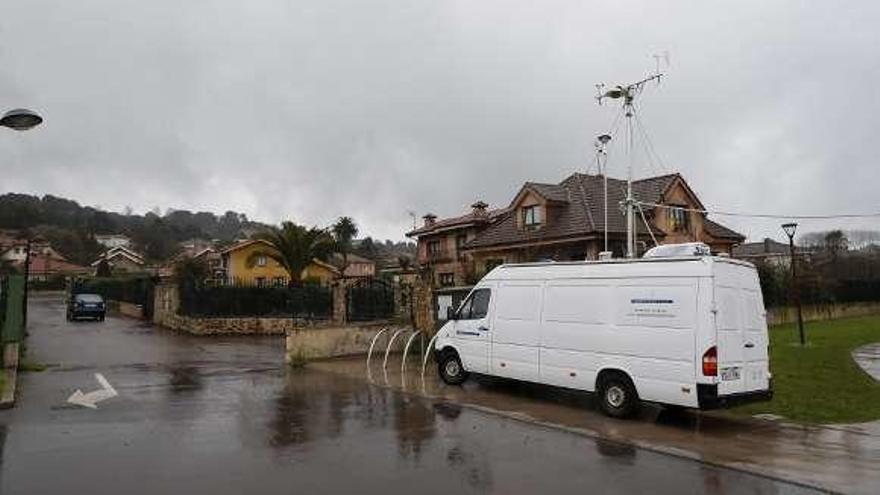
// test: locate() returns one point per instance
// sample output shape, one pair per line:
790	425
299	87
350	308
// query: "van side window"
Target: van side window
477	306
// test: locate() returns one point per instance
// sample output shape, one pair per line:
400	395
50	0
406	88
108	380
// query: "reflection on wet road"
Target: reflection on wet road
220	415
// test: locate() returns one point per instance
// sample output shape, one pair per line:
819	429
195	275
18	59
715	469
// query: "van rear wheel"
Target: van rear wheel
451	370
617	396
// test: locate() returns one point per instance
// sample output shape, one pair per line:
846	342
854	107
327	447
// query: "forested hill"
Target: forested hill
70	227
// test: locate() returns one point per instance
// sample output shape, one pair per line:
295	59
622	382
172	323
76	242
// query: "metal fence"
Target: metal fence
370	299
12	308
311	302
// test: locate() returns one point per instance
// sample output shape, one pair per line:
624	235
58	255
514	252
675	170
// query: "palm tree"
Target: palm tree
344	232
293	247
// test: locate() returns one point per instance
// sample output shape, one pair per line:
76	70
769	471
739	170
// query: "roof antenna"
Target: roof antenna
628	93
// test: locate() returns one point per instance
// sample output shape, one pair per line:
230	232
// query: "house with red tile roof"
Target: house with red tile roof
45	267
564	222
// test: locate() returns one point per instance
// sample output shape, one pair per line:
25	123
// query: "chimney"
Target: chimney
429	218
479	209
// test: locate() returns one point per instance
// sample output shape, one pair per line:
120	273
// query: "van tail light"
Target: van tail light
710	362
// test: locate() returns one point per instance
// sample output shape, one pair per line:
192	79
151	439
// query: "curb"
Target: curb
10	375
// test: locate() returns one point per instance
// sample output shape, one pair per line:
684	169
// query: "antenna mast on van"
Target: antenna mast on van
628	94
602	164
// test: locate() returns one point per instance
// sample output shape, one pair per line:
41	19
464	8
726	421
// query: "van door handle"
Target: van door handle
483	329
749	345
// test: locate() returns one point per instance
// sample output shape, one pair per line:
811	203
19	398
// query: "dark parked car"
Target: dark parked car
86	306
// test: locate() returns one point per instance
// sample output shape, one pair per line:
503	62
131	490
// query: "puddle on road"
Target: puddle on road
833	458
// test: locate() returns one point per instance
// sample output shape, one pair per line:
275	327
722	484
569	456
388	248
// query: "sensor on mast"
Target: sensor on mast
628	94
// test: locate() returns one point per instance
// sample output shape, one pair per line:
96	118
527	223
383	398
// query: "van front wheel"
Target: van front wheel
451	370
617	396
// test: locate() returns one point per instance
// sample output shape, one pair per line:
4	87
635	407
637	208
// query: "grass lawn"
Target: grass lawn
820	383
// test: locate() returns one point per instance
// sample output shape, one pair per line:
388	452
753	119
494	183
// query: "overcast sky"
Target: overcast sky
311	110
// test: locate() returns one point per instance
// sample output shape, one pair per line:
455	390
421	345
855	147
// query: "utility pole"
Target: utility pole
790	229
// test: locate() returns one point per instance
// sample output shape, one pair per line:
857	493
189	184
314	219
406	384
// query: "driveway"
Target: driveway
219	415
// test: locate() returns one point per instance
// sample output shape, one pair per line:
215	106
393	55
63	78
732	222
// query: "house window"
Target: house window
279	281
261	260
460	241
678	219
261	281
447	279
531	216
434	247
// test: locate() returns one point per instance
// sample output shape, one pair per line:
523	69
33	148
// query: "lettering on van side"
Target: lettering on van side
462	332
653	311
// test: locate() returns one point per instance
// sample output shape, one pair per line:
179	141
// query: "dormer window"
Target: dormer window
678	219
531	216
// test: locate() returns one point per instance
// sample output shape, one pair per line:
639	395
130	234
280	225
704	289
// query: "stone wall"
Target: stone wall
167	302
126	309
423	306
788	314
331	341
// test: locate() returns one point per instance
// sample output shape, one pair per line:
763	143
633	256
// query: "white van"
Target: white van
685	331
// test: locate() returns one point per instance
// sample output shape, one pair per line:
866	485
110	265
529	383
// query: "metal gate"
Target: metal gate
370	299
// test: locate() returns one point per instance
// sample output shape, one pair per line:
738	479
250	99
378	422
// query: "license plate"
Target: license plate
730	374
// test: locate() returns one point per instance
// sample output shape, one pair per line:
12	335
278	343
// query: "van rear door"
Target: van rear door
741	331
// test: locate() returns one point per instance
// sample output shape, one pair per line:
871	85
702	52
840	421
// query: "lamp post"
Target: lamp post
789	229
22	119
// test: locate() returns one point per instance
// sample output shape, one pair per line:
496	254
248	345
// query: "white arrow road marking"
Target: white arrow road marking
91	399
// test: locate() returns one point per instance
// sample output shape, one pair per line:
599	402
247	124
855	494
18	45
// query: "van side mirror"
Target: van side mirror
450	313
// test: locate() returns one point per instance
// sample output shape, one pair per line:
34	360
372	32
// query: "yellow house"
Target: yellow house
266	271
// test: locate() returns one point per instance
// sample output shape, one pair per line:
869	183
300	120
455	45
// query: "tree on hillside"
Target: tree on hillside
191	271
835	242
104	269
344	232
367	248
405	263
293	247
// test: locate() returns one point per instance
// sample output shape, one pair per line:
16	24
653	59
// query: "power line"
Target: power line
764	215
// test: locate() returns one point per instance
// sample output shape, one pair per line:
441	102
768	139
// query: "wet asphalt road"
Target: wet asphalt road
221	415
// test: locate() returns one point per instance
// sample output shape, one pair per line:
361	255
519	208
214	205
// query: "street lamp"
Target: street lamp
21	119
789	229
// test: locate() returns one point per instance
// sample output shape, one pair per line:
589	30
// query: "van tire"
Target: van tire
617	395
450	368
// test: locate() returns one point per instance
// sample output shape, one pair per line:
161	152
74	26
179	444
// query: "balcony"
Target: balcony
439	256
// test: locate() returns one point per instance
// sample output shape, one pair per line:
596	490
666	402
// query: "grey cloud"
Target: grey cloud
311	110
